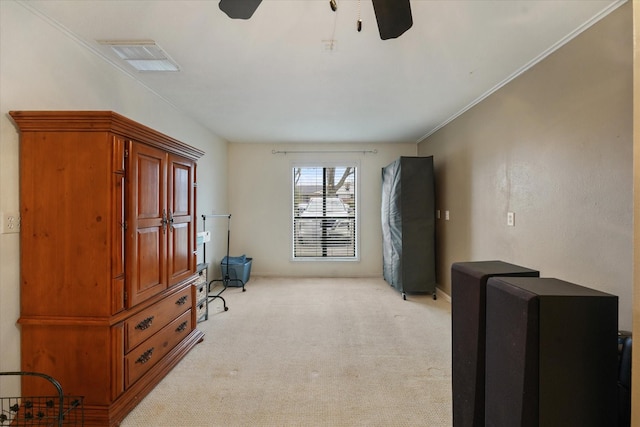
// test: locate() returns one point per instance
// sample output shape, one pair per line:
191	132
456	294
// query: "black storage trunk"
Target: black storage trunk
408	225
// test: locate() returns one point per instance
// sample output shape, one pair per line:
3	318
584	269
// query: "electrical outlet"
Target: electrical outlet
511	219
10	222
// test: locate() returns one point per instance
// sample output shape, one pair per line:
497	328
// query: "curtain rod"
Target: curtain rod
325	151
216	216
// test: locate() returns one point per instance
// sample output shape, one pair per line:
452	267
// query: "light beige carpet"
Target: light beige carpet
312	352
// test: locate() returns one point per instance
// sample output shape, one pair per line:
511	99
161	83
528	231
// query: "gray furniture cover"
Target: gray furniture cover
408	225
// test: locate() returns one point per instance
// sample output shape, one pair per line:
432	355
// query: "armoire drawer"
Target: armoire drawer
147	354
146	323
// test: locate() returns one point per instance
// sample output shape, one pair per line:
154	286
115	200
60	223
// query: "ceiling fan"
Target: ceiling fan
393	16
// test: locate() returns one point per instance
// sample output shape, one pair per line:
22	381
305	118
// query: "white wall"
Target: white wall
554	146
260	203
42	68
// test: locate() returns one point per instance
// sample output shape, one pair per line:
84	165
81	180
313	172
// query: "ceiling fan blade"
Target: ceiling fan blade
239	9
393	16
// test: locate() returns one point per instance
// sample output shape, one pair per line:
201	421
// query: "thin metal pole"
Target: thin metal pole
204	228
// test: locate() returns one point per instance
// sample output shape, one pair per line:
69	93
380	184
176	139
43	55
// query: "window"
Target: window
324	212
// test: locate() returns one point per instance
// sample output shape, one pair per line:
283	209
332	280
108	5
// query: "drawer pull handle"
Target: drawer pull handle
182	300
145	357
145	323
182	327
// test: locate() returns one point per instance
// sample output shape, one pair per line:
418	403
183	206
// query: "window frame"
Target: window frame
356	182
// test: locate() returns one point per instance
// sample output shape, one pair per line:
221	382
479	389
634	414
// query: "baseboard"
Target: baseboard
441	294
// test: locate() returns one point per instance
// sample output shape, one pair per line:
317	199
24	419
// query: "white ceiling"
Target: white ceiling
272	79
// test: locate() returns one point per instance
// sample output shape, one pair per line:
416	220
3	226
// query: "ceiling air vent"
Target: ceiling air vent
142	55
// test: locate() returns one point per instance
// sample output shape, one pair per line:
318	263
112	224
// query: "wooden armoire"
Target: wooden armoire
108	259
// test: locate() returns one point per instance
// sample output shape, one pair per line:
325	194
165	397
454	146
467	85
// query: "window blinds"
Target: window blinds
324	212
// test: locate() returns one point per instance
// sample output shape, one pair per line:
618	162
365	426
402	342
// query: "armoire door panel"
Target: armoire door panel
148	224
181	213
181	183
150	264
180	258
150	187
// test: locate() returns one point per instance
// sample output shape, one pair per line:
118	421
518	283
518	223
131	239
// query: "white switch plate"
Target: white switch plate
511	219
446	215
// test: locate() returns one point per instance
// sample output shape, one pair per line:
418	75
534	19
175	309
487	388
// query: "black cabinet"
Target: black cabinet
551	354
408	225
468	327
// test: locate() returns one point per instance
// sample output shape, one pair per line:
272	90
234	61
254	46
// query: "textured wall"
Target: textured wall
555	147
635	370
